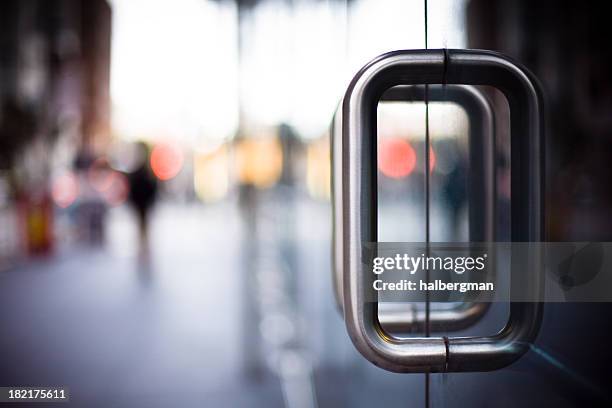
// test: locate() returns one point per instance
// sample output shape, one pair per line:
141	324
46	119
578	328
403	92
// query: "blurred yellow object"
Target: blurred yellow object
211	174
259	161
318	169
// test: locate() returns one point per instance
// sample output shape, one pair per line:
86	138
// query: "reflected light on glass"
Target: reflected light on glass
396	158
432	159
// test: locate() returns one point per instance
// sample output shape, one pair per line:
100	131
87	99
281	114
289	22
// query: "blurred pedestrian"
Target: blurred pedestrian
143	192
455	196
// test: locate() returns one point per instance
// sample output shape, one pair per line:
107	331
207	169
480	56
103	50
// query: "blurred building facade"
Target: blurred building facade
54	101
565	44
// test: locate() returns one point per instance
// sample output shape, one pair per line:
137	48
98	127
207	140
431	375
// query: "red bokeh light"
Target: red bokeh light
118	189
396	158
100	175
166	160
65	190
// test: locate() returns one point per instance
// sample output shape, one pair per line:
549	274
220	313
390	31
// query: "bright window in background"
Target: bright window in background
299	57
174	70
379	26
293	67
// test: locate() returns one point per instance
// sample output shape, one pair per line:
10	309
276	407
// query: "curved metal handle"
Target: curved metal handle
359	199
481	156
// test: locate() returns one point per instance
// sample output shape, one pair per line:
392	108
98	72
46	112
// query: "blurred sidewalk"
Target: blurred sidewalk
178	328
161	332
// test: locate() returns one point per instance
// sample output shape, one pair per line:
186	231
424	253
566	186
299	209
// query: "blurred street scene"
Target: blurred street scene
165	199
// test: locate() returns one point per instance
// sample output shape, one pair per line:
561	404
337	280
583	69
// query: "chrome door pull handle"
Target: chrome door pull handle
482	199
359	201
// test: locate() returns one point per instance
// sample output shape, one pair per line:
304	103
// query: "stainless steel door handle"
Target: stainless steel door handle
481	157
359	201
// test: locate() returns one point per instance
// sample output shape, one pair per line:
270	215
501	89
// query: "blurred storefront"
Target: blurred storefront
54	99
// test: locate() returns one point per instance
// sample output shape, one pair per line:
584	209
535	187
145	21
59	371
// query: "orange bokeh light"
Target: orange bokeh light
166	160
396	158
432	159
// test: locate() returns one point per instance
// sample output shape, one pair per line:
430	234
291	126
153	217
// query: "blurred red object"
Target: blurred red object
65	190
396	158
166	160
